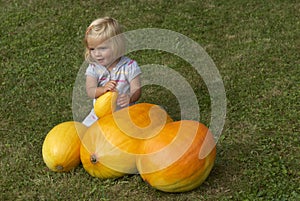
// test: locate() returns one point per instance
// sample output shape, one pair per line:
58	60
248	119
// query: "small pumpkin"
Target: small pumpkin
171	161
61	147
106	104
110	145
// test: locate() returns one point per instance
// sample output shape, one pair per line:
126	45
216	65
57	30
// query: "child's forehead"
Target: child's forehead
95	42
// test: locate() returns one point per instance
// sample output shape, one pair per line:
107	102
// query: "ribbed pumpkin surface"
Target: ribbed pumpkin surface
129	127
110	145
61	147
171	161
101	159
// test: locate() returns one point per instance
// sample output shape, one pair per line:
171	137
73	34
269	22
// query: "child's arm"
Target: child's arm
135	93
93	91
135	89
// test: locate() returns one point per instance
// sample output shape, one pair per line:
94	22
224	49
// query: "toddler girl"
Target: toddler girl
108	68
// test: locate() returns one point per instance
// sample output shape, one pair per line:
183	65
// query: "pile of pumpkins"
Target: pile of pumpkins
171	156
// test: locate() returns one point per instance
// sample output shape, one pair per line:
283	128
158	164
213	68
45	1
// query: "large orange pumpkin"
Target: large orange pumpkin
172	162
110	145
61	147
106	104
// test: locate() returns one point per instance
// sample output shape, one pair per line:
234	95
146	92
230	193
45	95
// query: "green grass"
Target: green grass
254	44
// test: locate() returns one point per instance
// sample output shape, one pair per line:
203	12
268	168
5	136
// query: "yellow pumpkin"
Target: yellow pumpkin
106	104
110	145
172	162
100	159
61	147
129	127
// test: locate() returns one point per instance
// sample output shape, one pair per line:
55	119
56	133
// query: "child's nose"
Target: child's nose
98	52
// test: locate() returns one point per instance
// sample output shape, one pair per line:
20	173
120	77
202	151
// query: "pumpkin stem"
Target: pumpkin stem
59	168
94	159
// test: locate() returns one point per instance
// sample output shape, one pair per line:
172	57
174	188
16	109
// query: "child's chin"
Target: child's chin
101	63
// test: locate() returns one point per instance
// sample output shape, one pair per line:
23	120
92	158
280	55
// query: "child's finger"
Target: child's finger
113	82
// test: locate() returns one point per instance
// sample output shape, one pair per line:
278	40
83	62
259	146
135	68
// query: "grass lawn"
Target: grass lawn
254	44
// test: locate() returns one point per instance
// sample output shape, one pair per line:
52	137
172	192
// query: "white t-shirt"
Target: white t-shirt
125	70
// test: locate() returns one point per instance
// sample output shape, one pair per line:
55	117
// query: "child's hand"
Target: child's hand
123	100
110	86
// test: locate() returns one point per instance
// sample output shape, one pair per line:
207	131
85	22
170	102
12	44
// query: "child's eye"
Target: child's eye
98	48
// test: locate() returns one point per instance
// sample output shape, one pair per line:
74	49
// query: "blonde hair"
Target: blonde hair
105	29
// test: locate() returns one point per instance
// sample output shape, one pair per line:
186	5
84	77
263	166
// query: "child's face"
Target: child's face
102	52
